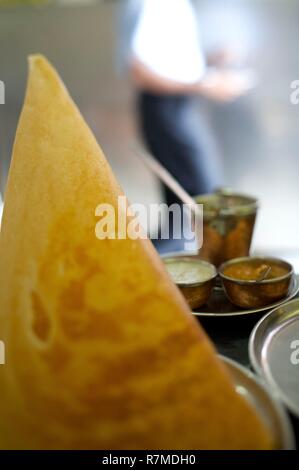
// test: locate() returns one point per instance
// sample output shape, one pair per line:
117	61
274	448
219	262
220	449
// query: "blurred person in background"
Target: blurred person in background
168	68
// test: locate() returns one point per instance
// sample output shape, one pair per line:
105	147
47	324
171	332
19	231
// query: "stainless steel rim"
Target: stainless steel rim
189	259
256	364
285	424
249	207
224	265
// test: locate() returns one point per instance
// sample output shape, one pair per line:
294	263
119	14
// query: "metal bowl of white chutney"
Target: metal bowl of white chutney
193	276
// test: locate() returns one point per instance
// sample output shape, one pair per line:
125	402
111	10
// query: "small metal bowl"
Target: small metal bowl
196	293
254	293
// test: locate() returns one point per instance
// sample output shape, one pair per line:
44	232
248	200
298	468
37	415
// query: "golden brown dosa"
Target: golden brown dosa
101	350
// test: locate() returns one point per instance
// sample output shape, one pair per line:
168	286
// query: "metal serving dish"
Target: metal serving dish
196	293
254	293
218	305
274	352
265	403
228	224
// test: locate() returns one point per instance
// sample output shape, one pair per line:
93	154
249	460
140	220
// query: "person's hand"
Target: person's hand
223	86
226	57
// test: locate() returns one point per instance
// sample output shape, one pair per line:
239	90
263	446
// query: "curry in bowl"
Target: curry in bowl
256	282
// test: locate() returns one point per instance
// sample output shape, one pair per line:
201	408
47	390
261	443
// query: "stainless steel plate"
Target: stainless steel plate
265	403
219	305
272	349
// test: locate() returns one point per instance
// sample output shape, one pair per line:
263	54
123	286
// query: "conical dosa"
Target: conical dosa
101	350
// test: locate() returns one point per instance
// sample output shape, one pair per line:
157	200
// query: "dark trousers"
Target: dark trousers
174	134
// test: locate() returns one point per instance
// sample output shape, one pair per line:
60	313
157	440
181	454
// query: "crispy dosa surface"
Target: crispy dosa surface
101	349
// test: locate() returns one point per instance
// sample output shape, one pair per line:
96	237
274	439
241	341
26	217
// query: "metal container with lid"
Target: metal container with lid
229	220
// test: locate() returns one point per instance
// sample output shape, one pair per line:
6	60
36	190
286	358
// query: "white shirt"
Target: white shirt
166	40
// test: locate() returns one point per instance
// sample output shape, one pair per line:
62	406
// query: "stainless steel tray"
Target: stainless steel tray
220	306
265	403
274	352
